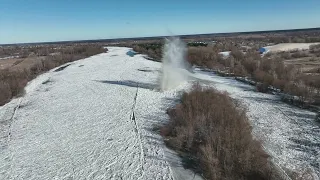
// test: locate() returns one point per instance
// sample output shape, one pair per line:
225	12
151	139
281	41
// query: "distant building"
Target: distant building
262	50
131	53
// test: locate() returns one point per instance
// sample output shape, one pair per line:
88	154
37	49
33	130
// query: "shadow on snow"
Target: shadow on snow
130	83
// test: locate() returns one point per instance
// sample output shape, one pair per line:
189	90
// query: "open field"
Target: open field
19	64
290	47
306	64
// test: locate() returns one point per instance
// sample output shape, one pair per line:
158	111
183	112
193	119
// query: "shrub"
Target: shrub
285	55
214	130
204	56
265	65
262	87
250	65
279	83
153	50
15	81
299	54
237	54
239	70
265	78
5	92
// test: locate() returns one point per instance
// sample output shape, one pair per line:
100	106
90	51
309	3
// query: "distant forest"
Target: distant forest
289	32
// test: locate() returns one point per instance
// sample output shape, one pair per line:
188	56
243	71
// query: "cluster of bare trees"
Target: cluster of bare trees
204	56
287	78
267	71
215	133
315	49
153	50
294	54
212	130
12	83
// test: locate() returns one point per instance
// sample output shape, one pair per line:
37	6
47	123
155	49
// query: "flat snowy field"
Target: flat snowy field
95	120
289	47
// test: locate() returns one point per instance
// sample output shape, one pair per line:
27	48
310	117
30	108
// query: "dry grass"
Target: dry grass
215	132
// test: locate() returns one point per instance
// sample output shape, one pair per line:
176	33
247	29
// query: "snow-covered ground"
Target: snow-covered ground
92	120
225	54
289	47
9	57
95	120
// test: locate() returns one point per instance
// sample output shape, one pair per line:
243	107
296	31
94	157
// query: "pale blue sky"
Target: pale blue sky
57	20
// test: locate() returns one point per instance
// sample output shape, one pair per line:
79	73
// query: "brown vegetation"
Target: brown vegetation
202	125
153	50
205	57
215	132
12	82
315	49
266	71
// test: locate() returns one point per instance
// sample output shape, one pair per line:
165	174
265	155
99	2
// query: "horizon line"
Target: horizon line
159	36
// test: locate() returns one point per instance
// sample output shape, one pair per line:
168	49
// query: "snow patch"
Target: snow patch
9	57
289	47
225	54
